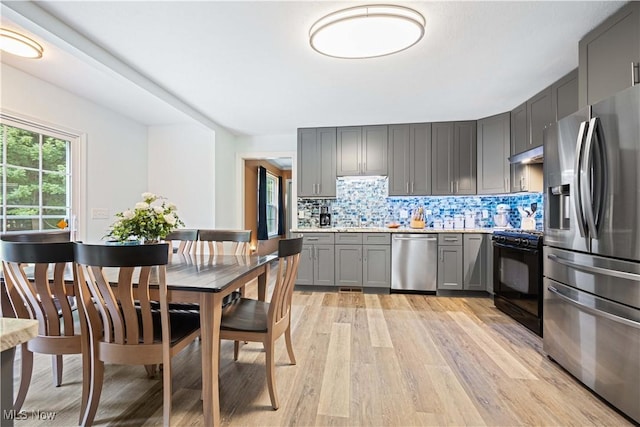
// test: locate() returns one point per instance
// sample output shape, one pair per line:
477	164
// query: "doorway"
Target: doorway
278	168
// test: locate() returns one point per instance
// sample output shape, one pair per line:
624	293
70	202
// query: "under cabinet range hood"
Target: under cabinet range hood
535	155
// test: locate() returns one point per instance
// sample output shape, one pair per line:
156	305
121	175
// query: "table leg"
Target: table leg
210	315
263	278
6	387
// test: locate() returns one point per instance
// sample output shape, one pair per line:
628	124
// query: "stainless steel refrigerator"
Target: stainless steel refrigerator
592	248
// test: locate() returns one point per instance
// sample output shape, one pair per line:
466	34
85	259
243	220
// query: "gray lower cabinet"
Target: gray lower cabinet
450	261
462	261
453	159
348	265
316	260
317	162
494	147
410	159
362	150
609	56
474	261
364	260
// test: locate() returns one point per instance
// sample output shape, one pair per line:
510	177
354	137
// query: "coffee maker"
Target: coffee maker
325	216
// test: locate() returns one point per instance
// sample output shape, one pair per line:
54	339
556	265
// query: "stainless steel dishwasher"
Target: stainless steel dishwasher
414	262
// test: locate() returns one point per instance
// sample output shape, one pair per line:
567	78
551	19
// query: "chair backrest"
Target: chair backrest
34	275
187	239
289	258
50	236
224	242
121	314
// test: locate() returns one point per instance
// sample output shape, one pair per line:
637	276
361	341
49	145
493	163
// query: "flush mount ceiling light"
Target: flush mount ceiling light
20	45
367	31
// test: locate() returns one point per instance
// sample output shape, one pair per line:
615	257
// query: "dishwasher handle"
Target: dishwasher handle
415	238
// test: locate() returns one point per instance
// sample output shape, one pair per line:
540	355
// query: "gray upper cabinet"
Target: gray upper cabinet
317	162
453	159
494	148
564	95
609	56
540	114
519	129
362	150
410	159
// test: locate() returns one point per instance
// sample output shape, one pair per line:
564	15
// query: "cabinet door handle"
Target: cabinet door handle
412	187
407	187
451	186
319	192
635	73
359	168
457	187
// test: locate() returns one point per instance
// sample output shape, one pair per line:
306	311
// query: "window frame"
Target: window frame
76	165
272	207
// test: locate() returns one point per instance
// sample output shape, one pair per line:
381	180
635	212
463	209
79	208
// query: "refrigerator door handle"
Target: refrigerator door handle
594	178
577	182
595	270
593	310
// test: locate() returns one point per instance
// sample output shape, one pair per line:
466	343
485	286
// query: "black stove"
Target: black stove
517	275
517	238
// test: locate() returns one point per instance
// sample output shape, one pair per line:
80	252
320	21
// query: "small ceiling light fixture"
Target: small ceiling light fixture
20	45
367	31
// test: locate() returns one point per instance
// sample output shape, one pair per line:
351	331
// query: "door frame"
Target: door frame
240	187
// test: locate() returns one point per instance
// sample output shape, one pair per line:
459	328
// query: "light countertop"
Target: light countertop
16	331
389	230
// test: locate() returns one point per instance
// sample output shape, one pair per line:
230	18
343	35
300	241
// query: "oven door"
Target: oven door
517	277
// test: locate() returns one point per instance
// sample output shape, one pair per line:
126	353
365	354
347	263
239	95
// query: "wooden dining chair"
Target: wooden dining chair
224	242
259	321
186	238
36	286
117	285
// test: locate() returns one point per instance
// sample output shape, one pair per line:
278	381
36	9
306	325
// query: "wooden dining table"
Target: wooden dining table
206	280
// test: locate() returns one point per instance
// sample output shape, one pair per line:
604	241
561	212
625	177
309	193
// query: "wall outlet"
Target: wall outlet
99	213
404	214
485	214
428	212
300	214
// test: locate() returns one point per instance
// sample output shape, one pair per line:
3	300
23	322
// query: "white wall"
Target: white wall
182	169
225	190
116	168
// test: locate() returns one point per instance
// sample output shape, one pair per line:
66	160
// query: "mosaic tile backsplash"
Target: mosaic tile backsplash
364	202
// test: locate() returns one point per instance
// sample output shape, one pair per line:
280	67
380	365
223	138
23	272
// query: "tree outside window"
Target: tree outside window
35	172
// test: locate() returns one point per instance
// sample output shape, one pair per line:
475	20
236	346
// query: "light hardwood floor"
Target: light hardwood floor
363	360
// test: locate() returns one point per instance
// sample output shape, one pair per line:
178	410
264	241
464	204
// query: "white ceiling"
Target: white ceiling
247	65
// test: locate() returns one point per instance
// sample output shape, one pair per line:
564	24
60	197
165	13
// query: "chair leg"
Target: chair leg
56	367
166	394
151	370
26	357
95	389
287	340
270	364
236	350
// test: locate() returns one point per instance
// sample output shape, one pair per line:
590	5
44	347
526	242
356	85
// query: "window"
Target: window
35	169
272	205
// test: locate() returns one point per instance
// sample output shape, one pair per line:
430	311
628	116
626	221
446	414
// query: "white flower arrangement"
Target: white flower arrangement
151	220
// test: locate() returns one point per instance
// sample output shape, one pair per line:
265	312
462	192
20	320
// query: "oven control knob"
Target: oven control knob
525	242
517	240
